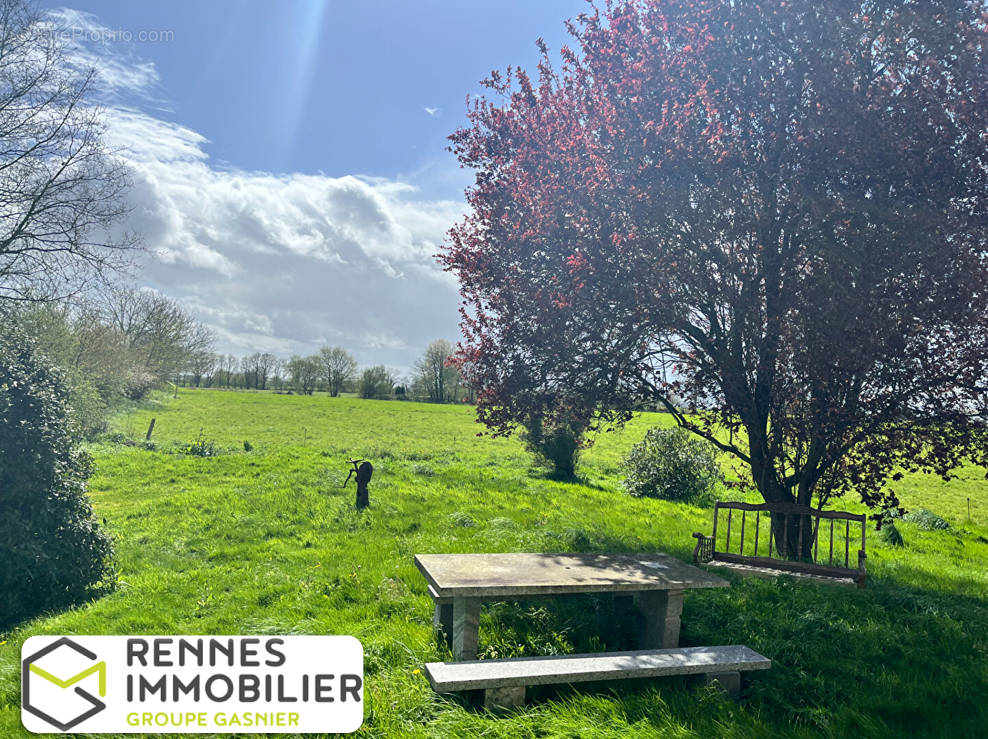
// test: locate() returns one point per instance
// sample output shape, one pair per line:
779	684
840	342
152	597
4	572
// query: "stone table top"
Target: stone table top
519	574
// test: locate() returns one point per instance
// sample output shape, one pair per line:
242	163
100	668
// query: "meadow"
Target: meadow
262	539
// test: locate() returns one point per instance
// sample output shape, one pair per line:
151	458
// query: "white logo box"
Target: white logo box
192	684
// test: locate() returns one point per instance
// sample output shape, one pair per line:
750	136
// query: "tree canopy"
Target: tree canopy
775	212
434	374
60	187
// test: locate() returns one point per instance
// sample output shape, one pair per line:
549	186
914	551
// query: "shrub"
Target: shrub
200	446
926	520
459	518
673	464
89	409
139	384
890	535
554	444
53	553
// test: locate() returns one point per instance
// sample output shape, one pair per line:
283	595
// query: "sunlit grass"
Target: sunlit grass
267	541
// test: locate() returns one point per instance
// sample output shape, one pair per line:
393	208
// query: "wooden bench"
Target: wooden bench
504	680
796	552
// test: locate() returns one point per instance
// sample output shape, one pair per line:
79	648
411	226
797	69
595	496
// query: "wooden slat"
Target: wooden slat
741	548
784	564
816	539
847	541
714	536
831	560
758	518
791	508
799	539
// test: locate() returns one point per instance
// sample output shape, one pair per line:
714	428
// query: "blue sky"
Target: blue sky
288	159
334	87
289	165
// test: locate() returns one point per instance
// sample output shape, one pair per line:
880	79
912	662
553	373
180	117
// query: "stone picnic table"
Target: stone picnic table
459	583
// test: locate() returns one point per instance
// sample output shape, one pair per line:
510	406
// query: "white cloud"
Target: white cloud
88	44
433	112
274	262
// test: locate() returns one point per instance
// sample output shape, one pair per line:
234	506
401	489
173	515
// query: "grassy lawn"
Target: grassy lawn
267	542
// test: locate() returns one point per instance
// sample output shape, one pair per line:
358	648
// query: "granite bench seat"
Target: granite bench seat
504	680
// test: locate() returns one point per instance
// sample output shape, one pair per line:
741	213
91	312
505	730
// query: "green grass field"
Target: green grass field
267	542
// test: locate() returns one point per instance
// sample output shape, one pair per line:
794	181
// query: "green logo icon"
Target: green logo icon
29	669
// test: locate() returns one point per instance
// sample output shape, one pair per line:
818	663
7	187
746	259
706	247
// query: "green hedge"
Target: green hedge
52	551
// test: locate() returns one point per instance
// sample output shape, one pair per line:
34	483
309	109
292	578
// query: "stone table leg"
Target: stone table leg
442	622
623	605
466	622
496	699
729	682
624	613
661	611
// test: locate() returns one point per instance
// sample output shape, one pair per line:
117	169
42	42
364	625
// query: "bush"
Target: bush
139	385
890	535
926	520
89	408
52	551
554	444
201	446
673	464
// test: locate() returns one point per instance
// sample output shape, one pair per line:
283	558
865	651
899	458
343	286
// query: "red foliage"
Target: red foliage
785	201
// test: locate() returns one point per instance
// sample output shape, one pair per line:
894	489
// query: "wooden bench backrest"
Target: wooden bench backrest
754	551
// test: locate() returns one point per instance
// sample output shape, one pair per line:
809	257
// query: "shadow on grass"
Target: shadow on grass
889	659
887	651
9	624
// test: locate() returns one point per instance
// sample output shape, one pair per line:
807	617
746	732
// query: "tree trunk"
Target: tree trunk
793	536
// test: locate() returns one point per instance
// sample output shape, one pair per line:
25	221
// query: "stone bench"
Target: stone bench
504	680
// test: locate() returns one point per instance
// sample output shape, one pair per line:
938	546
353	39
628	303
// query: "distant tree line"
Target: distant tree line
332	370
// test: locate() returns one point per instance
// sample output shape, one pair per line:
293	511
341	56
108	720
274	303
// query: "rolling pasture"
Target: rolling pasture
261	538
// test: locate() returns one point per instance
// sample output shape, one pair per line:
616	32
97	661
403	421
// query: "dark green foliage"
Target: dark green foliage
248	447
377	382
890	535
52	551
673	464
554	444
926	520
201	446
